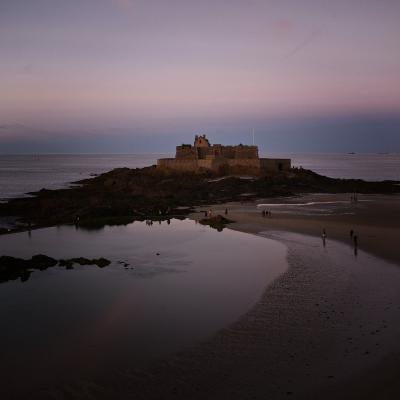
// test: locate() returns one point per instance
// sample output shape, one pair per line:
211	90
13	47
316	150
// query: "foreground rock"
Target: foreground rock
12	268
218	222
125	195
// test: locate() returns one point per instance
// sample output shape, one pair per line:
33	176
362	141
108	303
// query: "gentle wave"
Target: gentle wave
310	203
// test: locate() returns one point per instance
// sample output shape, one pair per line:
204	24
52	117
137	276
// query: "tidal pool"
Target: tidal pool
169	286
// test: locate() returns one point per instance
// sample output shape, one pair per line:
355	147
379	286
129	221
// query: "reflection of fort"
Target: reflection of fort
222	159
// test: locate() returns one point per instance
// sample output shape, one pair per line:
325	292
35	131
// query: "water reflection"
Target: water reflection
167	287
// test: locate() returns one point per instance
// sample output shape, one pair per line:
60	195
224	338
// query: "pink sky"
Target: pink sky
123	62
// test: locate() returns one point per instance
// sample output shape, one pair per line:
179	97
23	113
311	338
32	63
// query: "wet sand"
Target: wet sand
374	218
327	328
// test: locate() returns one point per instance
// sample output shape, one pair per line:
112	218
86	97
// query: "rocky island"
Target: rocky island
125	195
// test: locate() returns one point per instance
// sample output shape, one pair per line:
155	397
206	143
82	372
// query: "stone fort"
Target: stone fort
203	156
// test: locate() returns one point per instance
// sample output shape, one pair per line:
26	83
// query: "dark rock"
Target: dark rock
12	268
43	262
218	222
124	195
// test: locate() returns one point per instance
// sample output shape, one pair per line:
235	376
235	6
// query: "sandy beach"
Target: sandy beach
374	218
327	328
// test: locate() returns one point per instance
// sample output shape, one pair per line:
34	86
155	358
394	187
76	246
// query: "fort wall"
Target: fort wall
222	159
185	152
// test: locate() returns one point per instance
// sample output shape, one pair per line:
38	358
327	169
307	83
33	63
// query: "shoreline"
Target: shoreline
375	220
317	328
318	331
133	194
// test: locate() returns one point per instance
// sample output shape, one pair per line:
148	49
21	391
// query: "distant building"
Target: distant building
203	156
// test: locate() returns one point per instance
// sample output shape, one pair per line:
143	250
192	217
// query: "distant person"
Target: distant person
324	237
355	241
205	213
226	211
351	234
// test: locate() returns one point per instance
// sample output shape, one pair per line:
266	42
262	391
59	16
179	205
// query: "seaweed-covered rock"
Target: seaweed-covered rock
42	262
12	268
100	262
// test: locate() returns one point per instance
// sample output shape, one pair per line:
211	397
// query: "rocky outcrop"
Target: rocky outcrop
125	195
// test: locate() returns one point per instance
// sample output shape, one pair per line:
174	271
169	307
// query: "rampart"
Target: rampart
239	159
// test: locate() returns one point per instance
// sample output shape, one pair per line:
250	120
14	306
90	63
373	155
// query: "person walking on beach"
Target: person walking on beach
324	237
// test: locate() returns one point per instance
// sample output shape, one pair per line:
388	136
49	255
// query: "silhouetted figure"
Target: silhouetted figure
351	234
169	221
324	237
355	241
226	211
205	213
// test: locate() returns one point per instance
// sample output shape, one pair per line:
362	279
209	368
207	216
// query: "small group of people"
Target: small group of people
354	198
353	238
266	213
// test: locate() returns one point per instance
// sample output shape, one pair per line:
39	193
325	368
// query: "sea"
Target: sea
23	174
